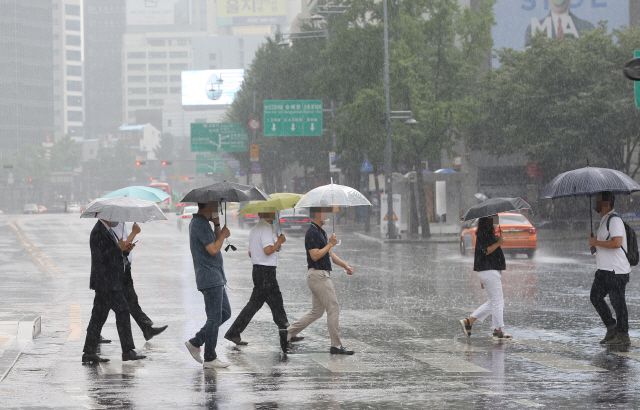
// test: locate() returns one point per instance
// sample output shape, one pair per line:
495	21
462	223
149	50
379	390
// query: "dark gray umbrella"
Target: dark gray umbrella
589	181
494	206
225	192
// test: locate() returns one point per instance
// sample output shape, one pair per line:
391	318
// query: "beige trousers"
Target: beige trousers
323	297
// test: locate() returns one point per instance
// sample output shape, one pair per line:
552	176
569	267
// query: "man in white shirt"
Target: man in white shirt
612	275
143	321
263	252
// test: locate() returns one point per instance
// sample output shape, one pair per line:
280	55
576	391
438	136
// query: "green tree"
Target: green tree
64	155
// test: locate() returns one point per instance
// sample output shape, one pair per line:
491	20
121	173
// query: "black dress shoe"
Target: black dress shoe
103	340
132	355
283	340
93	358
340	350
154	331
296	338
236	339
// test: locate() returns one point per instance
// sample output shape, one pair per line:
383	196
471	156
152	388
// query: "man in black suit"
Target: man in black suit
107	279
559	23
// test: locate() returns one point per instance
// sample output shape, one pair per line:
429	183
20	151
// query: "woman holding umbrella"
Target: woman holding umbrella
489	263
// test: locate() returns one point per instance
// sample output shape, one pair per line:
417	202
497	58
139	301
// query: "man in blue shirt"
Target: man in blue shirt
323	294
207	262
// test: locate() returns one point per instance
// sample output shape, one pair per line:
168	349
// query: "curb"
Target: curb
28	329
407	241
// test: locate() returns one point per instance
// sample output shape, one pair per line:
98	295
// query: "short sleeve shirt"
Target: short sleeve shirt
612	259
316	238
260	237
209	269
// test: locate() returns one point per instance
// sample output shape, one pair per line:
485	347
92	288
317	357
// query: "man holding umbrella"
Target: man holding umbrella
323	294
612	275
210	278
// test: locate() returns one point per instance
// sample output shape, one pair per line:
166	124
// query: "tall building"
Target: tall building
68	56
26	81
104	25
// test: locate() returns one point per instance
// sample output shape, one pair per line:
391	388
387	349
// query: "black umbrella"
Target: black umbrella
225	192
494	206
589	181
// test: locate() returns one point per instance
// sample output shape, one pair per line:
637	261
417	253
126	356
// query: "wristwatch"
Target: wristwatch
216	225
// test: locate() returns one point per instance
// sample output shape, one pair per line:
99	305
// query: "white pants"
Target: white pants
492	281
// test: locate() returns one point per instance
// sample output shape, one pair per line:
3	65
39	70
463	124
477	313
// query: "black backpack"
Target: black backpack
632	253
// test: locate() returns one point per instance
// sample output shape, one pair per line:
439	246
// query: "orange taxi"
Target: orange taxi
519	235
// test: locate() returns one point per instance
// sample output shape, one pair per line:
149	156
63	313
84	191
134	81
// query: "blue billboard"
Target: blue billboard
518	20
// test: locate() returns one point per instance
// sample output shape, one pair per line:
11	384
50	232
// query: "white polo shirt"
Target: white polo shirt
612	259
260	237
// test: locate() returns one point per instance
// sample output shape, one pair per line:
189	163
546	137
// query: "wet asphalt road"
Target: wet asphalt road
399	311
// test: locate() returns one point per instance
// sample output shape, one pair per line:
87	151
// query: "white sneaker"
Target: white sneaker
216	364
195	351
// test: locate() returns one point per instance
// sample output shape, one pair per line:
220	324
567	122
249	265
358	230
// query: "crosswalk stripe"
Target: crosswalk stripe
558	362
548	333
340	363
548	345
448	363
75	324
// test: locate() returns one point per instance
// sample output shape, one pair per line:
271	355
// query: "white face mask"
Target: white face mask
113	224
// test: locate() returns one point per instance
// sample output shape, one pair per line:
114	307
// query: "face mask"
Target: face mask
113	224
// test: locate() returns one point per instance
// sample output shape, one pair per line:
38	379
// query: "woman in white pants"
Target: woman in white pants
489	263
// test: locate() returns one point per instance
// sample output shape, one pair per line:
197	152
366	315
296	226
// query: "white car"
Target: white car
73	208
187	214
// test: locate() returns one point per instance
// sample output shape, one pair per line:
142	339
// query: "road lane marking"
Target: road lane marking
448	363
338	363
3	340
548	345
35	248
24	245
559	363
75	324
528	403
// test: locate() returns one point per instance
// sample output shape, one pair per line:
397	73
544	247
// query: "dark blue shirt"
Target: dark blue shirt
316	238
209	269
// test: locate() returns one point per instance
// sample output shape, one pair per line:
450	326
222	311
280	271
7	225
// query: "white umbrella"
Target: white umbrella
123	209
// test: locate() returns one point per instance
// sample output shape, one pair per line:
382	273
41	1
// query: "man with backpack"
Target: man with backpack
612	253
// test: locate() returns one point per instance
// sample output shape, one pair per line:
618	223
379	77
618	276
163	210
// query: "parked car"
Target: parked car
30	209
294	220
42	208
519	235
73	208
187	214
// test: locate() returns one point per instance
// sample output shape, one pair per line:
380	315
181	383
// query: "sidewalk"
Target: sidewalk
16	331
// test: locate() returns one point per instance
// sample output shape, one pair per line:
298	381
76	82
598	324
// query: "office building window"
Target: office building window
156	42
157	90
168	123
182	42
137	103
212	56
136	54
72	25
137	90
178	54
56	22
156	103
74	85
175	78
175	90
136	67
74	101
179	66
74	55
157	54
73	40
158	67
74	116
213	67
74	70
132	114
71	10
136	78
157	78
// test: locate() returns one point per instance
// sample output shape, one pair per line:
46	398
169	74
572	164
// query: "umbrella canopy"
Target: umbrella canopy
332	195
225	192
276	202
140	192
588	182
123	209
445	171
494	206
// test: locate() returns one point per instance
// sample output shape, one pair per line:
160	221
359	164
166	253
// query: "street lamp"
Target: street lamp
288	37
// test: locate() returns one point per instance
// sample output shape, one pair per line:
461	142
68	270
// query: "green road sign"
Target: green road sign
210	163
636	84
218	137
292	118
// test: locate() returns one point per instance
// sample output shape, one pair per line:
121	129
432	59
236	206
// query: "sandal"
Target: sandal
502	336
466	327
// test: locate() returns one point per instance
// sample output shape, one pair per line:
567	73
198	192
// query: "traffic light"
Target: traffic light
138	163
165	163
30	179
186	178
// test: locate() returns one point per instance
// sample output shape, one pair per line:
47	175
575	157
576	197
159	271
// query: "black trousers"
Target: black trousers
102	304
265	289
134	307
609	283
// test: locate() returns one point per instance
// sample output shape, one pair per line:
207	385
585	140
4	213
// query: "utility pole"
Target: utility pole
387	128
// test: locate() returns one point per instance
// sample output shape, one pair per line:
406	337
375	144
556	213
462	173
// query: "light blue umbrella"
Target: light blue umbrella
140	192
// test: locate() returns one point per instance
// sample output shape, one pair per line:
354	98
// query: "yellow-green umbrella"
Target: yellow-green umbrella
276	202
